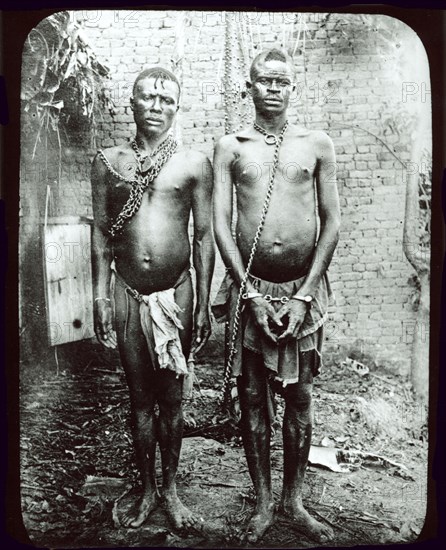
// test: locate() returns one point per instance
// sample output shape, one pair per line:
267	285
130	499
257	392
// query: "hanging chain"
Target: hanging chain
270	139
140	159
236	324
142	180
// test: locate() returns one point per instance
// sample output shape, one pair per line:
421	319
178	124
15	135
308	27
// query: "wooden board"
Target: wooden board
68	282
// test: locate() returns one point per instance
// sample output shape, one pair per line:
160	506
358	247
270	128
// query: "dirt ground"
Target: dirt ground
78	472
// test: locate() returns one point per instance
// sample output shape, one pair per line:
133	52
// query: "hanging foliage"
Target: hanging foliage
62	82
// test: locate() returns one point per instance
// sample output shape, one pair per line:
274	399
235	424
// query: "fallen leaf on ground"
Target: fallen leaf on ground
336	460
342	438
356	366
326	456
105	487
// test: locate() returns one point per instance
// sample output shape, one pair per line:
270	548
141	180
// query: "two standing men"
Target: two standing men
280	301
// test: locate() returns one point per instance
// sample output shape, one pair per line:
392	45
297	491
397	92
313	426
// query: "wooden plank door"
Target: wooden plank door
68	282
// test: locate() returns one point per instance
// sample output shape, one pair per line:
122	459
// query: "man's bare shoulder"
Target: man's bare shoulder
193	164
227	142
321	142
321	138
317	136
297	130
323	145
104	159
191	157
113	153
230	143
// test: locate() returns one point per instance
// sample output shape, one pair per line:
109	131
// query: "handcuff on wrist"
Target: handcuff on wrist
303	298
251	295
284	299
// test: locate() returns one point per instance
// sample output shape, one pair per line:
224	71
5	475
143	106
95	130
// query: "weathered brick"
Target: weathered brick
359	174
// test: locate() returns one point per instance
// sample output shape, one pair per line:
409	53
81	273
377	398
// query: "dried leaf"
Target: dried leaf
82	58
105	487
356	366
51	82
70	68
326	456
342	438
44	98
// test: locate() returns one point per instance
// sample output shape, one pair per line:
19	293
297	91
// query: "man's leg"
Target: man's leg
255	425
297	427
140	377
169	392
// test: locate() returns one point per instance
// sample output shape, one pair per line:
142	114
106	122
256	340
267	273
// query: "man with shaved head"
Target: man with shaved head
276	292
143	193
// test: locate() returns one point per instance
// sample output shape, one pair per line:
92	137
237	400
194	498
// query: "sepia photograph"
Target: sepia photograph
224	279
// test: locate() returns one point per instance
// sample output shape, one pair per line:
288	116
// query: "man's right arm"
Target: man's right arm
222	211
101	258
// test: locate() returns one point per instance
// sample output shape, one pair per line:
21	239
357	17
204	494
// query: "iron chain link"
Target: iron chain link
141	183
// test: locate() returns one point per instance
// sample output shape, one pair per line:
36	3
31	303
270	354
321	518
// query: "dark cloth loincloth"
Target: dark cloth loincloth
282	360
159	322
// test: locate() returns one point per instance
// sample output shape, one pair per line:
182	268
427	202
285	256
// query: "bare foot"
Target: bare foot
295	510
260	521
140	511
180	516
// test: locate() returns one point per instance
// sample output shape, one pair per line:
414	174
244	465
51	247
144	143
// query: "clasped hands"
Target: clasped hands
278	326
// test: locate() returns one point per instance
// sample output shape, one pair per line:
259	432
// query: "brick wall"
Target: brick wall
350	76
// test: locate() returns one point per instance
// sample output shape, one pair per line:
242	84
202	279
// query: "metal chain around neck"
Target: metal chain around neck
142	180
270	139
236	324
142	159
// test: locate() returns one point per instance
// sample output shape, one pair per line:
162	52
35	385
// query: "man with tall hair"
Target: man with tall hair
276	292
143	194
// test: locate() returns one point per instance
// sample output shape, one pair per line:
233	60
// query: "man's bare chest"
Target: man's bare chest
171	181
255	165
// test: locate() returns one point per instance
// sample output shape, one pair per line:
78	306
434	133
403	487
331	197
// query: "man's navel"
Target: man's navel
277	245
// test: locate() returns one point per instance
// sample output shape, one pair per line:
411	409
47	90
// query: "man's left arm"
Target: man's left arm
329	214
203	250
330	218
